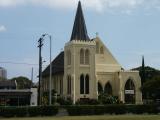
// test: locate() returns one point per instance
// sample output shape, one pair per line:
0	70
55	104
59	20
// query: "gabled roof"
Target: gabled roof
79	31
57	66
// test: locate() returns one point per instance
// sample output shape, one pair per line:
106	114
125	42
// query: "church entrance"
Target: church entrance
129	92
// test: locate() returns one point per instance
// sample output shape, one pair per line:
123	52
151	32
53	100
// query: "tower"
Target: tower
79	62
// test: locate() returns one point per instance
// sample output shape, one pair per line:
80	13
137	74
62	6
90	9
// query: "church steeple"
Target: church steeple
79	31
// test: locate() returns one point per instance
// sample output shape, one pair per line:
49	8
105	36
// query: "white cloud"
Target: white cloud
2	28
98	5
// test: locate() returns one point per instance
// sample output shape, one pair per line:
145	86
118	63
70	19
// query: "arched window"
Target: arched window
129	85
81	56
87	84
87	57
100	88
108	89
101	50
129	92
69	57
82	84
69	84
97	47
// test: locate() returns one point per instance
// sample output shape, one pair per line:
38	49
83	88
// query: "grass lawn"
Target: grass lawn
102	117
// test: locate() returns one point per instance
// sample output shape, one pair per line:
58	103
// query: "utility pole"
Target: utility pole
31	78
40	70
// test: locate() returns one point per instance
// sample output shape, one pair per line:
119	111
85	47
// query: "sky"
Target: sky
129	28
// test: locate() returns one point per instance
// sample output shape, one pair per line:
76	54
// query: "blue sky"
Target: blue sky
129	28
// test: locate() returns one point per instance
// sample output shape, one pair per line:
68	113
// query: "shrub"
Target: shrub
63	101
140	109
49	110
108	99
42	111
85	110
21	112
8	112
34	111
115	109
87	101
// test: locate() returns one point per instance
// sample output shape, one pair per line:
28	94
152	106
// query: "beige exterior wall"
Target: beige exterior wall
56	83
76	69
102	68
134	76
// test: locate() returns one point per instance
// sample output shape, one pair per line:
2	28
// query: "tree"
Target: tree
22	82
152	88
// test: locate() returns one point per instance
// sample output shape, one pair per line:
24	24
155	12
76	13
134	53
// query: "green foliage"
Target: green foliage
152	88
115	109
63	101
49	110
108	99
85	110
140	109
42	111
151	85
45	97
28	111
21	112
22	82
111	109
87	102
34	111
8	112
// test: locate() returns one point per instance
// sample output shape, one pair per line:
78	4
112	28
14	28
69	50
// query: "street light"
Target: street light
50	77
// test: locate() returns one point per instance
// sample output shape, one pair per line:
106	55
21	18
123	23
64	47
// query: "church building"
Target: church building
86	68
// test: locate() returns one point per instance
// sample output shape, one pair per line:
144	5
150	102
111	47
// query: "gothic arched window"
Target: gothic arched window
87	57
69	84
87	84
100	88
129	92
108	89
82	84
81	56
69	57
97	47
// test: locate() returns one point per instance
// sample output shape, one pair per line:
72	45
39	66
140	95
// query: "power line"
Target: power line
22	63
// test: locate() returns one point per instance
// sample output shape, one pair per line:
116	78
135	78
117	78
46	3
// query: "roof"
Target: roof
15	92
7	83
57	66
79	31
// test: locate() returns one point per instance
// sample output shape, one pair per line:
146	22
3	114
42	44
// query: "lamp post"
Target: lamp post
50	74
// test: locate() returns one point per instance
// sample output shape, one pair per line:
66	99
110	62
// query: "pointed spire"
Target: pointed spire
143	73
79	31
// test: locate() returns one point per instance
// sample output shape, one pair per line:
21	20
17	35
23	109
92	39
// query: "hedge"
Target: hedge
78	110
28	111
111	109
140	109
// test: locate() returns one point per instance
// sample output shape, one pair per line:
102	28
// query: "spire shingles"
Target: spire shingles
79	31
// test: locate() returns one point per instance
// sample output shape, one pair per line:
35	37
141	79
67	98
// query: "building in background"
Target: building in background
3	73
11	96
87	68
